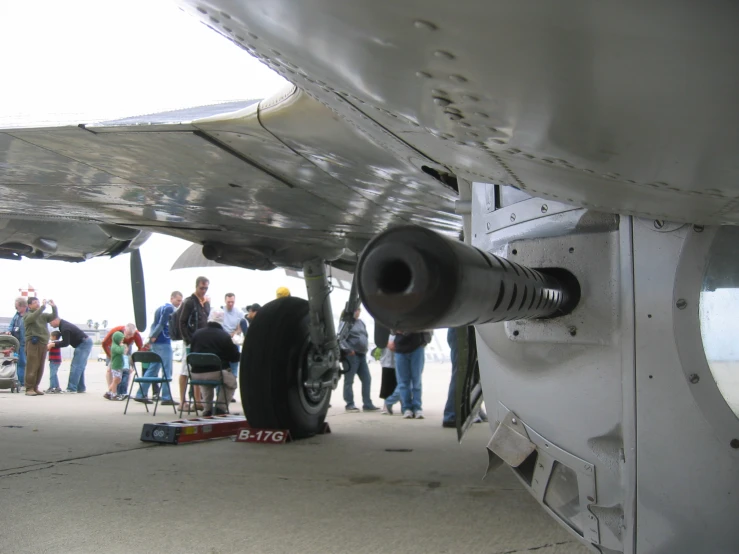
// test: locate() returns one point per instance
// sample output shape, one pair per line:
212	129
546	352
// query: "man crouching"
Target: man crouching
212	339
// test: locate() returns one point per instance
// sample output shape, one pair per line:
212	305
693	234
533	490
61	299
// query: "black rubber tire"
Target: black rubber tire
273	360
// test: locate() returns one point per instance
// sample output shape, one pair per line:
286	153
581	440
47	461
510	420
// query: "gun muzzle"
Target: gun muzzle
411	278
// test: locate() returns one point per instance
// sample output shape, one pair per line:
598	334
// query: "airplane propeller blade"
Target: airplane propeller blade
138	290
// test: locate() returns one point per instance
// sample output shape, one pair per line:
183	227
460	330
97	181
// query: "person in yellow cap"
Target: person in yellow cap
282	292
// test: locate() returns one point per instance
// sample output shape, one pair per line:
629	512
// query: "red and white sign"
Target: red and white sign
30	291
266	436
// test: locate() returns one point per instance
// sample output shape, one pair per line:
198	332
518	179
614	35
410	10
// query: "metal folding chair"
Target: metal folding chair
208	362
148	358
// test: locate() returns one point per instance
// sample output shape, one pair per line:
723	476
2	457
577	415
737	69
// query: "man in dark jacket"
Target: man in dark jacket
76	338
355	349
214	340
195	309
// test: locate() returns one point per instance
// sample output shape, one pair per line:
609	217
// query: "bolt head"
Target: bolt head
658	224
544	209
513	217
693	378
514	420
681	304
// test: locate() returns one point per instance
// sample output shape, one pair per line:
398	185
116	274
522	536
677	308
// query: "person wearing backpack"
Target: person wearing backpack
161	343
191	316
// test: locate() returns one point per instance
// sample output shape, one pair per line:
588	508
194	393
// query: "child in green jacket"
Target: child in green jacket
117	350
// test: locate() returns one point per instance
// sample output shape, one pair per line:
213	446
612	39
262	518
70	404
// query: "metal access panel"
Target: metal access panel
626	437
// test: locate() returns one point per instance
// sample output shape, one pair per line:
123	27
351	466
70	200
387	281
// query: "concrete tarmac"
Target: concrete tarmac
75	478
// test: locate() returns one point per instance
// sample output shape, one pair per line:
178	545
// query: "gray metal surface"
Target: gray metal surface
574	391
183	115
630	393
617	106
688	485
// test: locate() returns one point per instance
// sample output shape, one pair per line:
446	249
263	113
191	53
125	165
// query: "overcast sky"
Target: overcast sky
78	61
82	61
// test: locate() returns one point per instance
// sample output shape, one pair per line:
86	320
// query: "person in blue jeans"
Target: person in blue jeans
18	330
450	410
410	356
55	360
73	336
355	347
161	344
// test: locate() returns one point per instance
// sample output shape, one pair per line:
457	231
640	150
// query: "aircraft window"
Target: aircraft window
563	496
719	314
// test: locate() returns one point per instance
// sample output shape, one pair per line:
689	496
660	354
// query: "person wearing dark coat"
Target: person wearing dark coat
212	339
76	338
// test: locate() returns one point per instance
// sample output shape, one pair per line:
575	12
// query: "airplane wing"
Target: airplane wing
259	184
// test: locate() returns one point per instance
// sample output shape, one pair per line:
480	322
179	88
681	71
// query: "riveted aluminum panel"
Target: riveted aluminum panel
688	482
627	107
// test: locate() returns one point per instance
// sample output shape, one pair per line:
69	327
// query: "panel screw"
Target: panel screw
681	304
693	378
488	225
734	443
513	217
544	208
572	330
658	224
591	499
698	228
514	420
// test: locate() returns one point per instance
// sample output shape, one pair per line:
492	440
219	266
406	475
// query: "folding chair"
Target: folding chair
208	362
147	358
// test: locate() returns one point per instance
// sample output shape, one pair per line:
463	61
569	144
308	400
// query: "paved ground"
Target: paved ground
74	477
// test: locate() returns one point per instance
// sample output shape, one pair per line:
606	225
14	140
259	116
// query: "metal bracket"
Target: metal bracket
511	442
323	356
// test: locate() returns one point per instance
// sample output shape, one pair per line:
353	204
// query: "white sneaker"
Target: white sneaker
407	414
419	414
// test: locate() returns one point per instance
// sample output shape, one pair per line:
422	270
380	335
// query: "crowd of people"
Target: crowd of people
218	331
43	334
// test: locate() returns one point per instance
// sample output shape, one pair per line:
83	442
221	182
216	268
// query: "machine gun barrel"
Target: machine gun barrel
411	278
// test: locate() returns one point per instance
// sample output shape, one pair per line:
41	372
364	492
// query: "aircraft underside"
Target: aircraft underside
557	179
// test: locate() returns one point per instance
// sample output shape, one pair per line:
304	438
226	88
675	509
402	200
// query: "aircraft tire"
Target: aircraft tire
273	360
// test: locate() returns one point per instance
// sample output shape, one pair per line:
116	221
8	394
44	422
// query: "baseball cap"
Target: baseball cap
253	307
